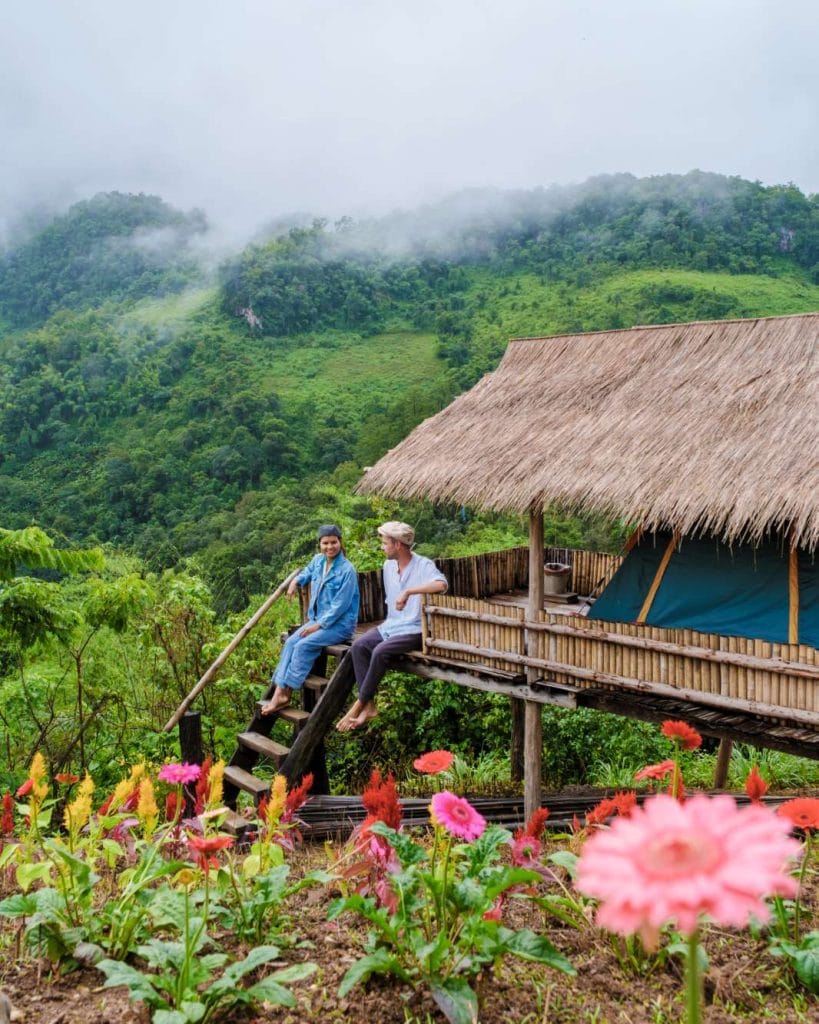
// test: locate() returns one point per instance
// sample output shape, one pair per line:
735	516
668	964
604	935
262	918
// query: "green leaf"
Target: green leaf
193	1009
18	906
565	859
456	1000
529	946
138	984
255	958
379	962
296	972
806	965
170	1017
28	873
268	991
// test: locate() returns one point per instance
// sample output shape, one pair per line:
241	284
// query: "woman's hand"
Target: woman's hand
291	590
309	629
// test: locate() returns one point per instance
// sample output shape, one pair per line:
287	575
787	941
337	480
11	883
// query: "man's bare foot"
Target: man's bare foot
345	724
368	712
281	698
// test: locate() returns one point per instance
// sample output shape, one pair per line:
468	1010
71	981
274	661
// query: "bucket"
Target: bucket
556	577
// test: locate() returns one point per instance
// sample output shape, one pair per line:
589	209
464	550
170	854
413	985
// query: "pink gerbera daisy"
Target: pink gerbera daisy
457	816
179	774
671	863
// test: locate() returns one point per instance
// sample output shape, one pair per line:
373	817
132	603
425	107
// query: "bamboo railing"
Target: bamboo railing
777	680
496	572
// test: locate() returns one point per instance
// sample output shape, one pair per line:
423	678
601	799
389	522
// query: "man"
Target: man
407	577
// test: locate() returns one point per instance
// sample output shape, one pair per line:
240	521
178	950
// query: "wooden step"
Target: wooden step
235	825
337	650
318	684
296	716
241	779
273	751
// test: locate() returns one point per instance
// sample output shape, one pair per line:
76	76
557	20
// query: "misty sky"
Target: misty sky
258	108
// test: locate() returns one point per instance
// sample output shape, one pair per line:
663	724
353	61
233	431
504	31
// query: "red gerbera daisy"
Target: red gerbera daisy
802	812
682	733
655	771
433	762
204	847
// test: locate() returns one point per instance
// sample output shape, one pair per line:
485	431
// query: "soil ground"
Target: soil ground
743	983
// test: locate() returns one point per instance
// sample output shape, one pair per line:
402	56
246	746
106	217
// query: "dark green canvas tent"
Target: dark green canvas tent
762	591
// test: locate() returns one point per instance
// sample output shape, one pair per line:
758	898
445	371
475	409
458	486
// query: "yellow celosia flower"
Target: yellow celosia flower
215	777
126	787
275	805
147	810
37	774
78	811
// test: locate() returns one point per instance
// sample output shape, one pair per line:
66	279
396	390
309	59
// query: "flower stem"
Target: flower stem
800	891
692	980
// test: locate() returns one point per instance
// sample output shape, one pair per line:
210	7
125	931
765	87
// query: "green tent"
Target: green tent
704	584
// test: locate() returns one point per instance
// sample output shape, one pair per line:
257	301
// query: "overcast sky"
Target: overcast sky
258	108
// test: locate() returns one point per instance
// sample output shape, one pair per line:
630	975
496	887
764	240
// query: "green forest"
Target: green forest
176	420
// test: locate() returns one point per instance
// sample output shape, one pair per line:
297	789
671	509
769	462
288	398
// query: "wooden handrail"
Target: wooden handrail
234	643
749	661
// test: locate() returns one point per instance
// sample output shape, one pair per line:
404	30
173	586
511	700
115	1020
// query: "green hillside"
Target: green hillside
141	406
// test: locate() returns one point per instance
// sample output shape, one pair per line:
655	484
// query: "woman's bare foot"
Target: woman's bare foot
347	723
281	698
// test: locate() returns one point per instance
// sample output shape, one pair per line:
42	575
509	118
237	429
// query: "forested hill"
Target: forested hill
146	403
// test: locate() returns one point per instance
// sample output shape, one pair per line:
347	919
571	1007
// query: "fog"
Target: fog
255	109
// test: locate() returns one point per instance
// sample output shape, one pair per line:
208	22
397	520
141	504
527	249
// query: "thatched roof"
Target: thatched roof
703	426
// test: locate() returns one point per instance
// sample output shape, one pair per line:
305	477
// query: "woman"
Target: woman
331	617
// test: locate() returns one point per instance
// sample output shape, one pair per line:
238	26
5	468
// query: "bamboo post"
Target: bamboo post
231	647
533	725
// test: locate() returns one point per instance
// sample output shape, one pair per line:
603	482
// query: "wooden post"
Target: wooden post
190	747
723	760
533	726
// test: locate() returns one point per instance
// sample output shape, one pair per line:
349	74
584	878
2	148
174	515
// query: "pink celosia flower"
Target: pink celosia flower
672	862
655	771
457	816
433	762
179	774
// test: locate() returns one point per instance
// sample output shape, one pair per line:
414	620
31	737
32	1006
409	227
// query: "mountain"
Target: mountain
144	403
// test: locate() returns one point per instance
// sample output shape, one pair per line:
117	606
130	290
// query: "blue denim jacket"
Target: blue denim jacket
333	596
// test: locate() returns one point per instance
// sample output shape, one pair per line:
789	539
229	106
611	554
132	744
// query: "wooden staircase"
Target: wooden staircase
323	699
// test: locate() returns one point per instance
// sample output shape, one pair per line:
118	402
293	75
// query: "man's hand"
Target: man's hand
307	630
401	600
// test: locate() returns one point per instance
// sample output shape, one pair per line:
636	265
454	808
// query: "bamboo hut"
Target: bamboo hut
705	433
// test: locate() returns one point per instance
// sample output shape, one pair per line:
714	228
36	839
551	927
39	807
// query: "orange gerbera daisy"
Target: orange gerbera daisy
681	733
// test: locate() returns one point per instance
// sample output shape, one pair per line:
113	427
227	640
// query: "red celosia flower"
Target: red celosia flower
620	804
433	762
66	778
132	800
682	733
755	786
802	812
655	771
7	822
26	788
204	847
202	785
297	796
457	816
576	826
171	806
536	824
380	799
